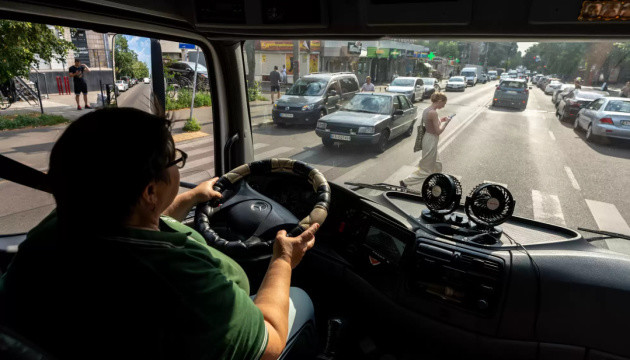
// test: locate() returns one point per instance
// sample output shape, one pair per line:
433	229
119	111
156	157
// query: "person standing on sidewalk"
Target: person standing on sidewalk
284	74
368	86
429	163
625	92
274	81
80	86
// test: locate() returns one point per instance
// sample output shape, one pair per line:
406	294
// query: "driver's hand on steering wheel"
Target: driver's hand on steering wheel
205	192
292	249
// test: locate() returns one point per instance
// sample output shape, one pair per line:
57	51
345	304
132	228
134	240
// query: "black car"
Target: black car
370	119
314	96
431	85
184	74
571	104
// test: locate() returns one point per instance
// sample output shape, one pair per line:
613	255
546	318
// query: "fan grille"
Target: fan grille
489	205
441	193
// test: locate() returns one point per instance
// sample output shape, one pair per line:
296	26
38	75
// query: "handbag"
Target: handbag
418	145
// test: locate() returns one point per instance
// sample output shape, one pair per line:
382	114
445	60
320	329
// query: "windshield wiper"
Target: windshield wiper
607	233
382	187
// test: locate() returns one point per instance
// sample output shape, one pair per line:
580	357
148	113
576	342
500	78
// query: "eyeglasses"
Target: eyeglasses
180	159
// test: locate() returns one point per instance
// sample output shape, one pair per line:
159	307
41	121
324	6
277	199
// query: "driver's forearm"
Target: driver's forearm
273	301
180	207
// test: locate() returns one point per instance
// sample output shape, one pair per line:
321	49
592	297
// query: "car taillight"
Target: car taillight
606	121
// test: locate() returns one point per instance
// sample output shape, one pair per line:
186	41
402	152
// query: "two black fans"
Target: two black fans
487	206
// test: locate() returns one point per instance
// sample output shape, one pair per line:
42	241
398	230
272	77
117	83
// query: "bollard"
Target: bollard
59	86
66	81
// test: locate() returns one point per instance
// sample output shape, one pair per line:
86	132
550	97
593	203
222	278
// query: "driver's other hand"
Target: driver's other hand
292	249
204	191
444	119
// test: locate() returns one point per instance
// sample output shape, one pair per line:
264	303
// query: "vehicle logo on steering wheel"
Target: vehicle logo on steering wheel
259	206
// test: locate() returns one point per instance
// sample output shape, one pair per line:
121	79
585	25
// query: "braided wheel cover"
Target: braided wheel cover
275	165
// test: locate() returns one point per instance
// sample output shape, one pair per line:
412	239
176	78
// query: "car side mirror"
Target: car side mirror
332	93
398	112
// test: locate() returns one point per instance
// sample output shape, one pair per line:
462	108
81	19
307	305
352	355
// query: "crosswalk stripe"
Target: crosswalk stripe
574	182
203	141
547	208
208	160
198	177
608	217
395	178
259	145
272	153
203	150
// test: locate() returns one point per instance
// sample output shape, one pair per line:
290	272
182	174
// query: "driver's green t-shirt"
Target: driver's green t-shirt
140	295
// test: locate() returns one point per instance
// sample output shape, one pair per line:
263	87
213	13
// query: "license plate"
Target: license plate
625	122
340	137
511	92
285	115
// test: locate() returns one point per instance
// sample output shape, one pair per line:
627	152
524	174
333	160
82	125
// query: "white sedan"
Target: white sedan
122	85
146	80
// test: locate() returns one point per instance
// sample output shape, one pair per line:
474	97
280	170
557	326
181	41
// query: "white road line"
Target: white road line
199	162
494	182
547	208
203	150
259	145
553	137
196	178
206	140
272	153
395	178
448	139
574	182
608	217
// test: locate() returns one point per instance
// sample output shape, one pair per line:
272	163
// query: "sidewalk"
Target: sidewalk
64	105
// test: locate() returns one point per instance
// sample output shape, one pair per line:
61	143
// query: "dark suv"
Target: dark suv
184	74
314	96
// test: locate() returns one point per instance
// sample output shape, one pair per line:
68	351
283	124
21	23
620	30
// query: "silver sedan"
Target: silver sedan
605	117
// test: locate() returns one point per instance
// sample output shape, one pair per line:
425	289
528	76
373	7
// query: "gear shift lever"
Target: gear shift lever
332	339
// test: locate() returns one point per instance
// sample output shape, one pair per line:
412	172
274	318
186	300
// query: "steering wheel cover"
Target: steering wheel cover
240	248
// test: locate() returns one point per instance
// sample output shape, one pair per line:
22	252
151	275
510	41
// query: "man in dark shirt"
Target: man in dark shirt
80	86
274	80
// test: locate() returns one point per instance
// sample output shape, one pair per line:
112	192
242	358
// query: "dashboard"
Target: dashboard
540	288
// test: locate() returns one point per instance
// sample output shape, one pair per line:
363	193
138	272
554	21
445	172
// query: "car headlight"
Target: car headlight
321	125
308	107
366	130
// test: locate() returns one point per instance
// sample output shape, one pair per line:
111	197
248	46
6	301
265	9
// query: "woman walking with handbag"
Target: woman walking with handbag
428	142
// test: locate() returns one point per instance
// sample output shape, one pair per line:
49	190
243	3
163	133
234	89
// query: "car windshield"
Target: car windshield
403	82
456	79
513	84
618	106
369	104
428	81
468	73
308	87
200	68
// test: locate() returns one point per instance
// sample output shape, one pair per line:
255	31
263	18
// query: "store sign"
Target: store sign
371	52
382	53
287	45
354	47
79	39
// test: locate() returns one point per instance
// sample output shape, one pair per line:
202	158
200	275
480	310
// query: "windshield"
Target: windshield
513	84
428	81
308	87
403	82
369	103
468	73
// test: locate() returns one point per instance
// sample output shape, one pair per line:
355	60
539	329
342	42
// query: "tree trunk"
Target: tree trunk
251	61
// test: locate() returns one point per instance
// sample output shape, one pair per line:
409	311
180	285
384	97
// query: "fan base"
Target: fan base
430	216
495	231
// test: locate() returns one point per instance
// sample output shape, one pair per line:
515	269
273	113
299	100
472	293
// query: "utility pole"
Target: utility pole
296	60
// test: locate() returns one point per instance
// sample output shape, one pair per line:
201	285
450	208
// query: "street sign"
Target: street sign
431	55
186	46
457	60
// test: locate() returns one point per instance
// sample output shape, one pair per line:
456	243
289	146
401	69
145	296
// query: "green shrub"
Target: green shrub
203	99
192	125
184	97
254	92
30	120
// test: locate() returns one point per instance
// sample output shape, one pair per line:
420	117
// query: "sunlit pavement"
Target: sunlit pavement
553	173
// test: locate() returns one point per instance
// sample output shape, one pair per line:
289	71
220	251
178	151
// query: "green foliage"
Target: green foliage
140	70
30	120
254	92
562	58
503	54
127	63
21	41
192	125
184	97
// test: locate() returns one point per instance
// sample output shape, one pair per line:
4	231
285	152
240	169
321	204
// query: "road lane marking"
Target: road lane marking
463	125
608	217
203	150
574	182
205	141
272	153
394	179
553	137
260	145
197	177
547	208
207	160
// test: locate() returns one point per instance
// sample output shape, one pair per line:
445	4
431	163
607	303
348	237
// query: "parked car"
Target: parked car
314	96
127	81
184	74
492	74
370	119
536	79
553	85
456	83
575	100
605	117
134	81
560	93
511	93
122	85
483	78
147	80
431	85
412	87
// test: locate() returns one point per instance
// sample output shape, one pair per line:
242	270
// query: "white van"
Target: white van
471	74
493	74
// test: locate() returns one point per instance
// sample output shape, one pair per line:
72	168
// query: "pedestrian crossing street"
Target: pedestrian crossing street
545	207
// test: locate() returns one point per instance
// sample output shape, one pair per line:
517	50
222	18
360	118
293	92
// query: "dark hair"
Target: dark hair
103	161
275	67
77	60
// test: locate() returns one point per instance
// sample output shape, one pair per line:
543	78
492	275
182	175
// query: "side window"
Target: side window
404	104
419	82
595	105
335	86
348	85
397	105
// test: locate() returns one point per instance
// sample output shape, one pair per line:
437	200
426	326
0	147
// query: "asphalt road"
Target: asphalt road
553	173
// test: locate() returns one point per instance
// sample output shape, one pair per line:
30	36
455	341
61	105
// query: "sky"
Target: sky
523	46
142	47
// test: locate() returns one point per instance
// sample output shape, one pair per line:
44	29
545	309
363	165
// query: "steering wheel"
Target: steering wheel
248	220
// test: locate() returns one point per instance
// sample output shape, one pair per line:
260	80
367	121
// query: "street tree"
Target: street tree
23	43
125	58
140	70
